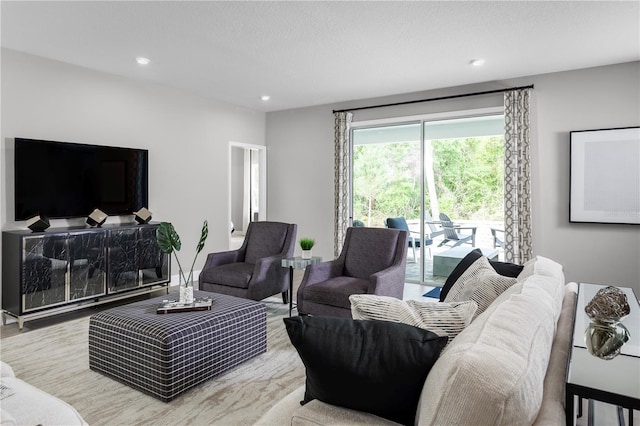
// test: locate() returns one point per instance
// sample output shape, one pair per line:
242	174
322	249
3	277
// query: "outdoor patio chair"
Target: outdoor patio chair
253	271
413	241
433	229
452	234
372	261
498	240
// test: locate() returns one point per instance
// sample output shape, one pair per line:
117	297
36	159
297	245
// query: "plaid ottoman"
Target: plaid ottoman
163	355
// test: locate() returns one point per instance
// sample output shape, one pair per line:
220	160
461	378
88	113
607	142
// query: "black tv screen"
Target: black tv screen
66	180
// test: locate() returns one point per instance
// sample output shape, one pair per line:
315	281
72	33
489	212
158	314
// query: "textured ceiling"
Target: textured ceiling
312	52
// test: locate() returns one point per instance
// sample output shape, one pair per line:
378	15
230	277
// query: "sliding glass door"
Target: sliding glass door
412	171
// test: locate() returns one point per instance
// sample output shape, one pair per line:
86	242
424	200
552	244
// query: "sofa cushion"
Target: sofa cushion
499	361
444	319
480	283
503	268
341	369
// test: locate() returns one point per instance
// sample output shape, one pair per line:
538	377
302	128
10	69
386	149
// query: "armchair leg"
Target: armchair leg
285	297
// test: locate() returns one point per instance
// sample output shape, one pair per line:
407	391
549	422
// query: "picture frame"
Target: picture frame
605	176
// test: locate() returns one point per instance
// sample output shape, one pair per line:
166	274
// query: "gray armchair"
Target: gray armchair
372	261
253	271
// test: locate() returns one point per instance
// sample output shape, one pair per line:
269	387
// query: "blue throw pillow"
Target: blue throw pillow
377	367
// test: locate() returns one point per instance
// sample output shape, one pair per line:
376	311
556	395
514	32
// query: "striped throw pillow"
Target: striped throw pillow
444	319
480	283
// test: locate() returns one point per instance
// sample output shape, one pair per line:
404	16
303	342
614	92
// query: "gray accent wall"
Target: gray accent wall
301	171
187	137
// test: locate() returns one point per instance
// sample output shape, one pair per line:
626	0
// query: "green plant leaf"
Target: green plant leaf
167	237
203	236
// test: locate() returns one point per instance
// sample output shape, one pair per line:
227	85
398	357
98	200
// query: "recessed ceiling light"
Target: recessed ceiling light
476	62
265	97
142	60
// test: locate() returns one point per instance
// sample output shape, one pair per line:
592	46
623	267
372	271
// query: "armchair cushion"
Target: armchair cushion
267	242
235	274
369	253
335	291
341	370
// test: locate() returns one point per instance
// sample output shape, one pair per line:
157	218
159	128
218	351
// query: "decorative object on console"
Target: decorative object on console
608	305
96	218
605	336
37	223
306	244
142	216
169	242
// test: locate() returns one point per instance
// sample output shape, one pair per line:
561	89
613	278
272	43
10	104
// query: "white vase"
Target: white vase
186	294
306	254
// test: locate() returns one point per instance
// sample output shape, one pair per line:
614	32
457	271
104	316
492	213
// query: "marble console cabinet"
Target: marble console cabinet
58	270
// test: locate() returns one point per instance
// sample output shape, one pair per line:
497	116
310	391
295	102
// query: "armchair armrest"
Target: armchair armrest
388	282
263	266
221	258
320	272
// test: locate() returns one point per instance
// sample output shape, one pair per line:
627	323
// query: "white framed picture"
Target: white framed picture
605	176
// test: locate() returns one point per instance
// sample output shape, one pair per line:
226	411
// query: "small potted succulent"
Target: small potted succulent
306	244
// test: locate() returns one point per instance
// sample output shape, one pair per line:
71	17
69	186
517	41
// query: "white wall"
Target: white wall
187	138
300	144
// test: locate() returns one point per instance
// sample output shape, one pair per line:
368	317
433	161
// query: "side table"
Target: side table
614	381
297	263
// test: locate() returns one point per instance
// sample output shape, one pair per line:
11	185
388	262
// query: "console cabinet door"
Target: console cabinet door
43	271
154	264
122	258
87	264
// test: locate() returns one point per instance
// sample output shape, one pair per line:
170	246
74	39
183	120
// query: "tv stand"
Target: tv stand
65	269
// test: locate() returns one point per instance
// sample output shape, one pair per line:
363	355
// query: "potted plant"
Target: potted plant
169	242
306	244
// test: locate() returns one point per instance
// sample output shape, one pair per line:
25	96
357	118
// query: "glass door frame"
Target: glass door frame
408	120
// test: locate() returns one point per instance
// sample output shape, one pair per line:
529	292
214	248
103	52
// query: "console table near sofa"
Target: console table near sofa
64	269
615	381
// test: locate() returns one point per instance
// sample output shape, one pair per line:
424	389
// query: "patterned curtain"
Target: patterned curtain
341	179
517	177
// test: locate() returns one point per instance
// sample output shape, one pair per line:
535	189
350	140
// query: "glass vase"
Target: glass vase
604	339
186	293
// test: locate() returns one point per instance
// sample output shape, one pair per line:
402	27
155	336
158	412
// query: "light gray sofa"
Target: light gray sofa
24	404
507	367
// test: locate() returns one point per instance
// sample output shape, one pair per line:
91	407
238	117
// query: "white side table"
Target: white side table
296	263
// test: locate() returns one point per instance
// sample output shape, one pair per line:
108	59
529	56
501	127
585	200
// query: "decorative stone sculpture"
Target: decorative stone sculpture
605	336
608	305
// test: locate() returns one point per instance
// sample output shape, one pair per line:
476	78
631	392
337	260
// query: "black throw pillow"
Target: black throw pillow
503	268
378	367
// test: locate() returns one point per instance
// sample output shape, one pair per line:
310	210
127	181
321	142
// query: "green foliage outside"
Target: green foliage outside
469	179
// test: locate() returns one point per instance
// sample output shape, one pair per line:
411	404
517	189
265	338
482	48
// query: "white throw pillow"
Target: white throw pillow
444	319
480	283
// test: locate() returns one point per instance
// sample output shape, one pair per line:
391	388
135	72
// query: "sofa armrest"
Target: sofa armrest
552	410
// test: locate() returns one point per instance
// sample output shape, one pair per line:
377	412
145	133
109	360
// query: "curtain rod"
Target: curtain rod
441	98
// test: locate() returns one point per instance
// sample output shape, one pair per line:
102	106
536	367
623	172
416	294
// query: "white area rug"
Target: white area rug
56	360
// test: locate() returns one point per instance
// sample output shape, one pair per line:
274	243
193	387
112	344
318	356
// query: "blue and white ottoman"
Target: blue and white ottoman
163	355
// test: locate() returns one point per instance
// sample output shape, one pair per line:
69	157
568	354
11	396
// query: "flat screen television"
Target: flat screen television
67	180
